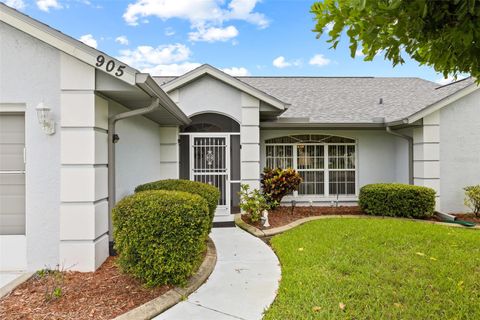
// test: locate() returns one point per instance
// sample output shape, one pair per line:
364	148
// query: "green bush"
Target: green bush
252	202
397	200
472	198
160	235
207	191
277	183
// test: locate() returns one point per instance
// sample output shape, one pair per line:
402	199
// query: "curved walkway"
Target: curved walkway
243	284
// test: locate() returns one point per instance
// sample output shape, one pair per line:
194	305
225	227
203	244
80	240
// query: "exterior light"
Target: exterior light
44	118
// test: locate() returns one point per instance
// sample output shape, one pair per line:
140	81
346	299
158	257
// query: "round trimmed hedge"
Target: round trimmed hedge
397	200
160	235
207	191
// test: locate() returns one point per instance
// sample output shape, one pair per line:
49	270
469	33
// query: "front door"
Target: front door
210	163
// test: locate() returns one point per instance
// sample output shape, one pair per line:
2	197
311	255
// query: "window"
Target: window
325	163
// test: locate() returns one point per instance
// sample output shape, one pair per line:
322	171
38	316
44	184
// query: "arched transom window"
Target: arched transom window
326	163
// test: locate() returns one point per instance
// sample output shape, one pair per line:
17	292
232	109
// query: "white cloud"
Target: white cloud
280	62
147	57
169	31
443	81
359	53
236	71
123	40
206	17
198	12
213	34
46	5
243	10
16	4
329	26
319	60
89	40
173	69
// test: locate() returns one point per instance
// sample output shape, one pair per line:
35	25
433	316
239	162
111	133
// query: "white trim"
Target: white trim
222	76
442	103
13	107
222	210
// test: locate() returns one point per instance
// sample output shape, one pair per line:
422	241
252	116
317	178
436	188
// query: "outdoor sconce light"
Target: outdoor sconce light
44	118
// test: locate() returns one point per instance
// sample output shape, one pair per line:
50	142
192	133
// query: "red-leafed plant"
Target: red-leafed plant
277	183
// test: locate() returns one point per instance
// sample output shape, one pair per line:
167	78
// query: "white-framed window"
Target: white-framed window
327	164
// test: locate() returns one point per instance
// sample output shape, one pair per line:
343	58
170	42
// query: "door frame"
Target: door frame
222	210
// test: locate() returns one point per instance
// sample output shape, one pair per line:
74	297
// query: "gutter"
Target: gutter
410	151
159	99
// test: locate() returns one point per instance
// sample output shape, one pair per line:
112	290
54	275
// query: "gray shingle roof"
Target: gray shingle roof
351	100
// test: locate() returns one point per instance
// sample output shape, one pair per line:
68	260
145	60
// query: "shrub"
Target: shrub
397	200
207	191
160	235
277	183
472	198
252	202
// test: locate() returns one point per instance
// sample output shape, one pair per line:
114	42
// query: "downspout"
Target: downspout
410	151
154	105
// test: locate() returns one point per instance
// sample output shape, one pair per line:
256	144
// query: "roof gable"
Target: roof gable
93	57
225	78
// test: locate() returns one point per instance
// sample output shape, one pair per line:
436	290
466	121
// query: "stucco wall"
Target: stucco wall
459	150
381	157
29	74
210	95
137	152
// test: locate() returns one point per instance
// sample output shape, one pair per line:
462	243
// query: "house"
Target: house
80	129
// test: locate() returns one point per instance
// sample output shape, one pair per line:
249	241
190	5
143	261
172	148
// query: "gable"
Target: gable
206	69
207	94
93	57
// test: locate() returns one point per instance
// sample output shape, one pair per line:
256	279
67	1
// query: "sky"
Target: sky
241	37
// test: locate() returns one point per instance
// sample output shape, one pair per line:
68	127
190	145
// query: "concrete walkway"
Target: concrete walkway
243	284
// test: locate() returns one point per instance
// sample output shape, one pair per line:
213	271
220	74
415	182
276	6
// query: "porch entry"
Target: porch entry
210	163
210	153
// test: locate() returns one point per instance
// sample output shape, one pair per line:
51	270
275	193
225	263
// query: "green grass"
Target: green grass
378	269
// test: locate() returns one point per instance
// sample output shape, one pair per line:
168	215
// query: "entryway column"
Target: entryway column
84	172
250	141
426	154
169	153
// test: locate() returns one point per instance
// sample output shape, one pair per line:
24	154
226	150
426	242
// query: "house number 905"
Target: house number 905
109	65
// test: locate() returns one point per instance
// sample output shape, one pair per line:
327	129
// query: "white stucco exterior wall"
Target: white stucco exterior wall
207	94
137	151
459	150
30	74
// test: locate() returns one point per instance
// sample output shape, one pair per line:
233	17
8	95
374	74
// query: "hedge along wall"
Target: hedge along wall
397	200
160	235
208	192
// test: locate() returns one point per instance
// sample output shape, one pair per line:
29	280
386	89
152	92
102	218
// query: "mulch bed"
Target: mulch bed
283	215
103	294
467	217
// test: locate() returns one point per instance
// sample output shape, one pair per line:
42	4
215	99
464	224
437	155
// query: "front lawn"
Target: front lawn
377	269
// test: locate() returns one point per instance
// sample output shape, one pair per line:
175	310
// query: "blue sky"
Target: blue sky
243	37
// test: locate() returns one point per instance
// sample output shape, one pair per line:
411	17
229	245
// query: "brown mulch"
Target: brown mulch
283	215
467	217
103	294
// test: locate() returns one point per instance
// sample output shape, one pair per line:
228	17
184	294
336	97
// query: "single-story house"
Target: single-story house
80	129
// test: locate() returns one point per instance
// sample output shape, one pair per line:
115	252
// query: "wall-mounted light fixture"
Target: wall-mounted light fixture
45	119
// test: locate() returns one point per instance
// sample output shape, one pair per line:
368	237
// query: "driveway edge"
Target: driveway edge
169	299
9	287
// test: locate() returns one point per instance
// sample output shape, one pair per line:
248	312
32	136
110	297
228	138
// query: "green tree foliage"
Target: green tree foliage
443	34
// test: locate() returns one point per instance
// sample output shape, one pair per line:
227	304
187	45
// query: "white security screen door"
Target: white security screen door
210	163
